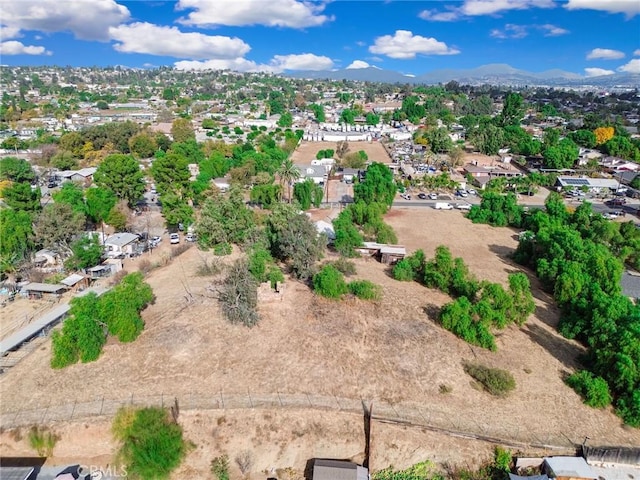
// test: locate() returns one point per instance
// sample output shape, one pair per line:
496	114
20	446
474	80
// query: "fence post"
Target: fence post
310	404
102	405
249	395
44	415
339	407
221	399
73	410
280	399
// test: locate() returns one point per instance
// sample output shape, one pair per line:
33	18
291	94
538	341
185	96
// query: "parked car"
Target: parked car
463	206
422	196
190	237
155	241
174	238
472	192
462	193
433	196
443	206
618	201
406	196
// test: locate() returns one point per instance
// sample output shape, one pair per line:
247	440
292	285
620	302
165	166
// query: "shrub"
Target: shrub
365	290
222	249
593	390
209	267
494	380
152	445
275	276
329	282
239	295
345	266
403	271
220	467
42	441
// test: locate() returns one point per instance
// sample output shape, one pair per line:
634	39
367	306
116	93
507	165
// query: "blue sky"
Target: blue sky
588	37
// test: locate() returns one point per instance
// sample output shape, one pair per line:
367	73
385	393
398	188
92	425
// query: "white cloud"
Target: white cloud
510	31
633	66
629	7
13	47
87	19
597	72
356	64
435	16
236	13
405	45
604	53
278	64
490	7
169	41
636	53
360	43
304	61
9	32
552	31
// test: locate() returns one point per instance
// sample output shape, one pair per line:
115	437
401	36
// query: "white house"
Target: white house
317	173
120	243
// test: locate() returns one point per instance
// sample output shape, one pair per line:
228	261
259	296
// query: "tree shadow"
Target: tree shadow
503	252
432	311
565	351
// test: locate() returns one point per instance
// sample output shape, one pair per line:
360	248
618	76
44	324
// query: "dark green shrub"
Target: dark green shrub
496	381
593	390
403	271
222	249
365	290
345	266
152	445
329	282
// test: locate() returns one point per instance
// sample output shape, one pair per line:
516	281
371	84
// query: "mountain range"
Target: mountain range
495	74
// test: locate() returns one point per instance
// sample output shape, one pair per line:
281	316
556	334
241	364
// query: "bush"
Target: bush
365	290
329	282
152	445
209	267
275	276
593	390
222	249
239	295
220	467
345	266
494	380
42	441
403	271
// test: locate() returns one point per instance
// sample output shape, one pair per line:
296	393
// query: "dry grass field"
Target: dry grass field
307	151
390	351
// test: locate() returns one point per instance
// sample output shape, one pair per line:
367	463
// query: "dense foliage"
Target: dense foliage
92	318
151	443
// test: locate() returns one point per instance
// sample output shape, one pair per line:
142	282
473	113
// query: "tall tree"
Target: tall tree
288	173
57	225
182	130
378	185
122	175
512	111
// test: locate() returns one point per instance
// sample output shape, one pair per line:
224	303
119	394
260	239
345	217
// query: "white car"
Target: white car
463	206
190	237
433	196
443	206
174	238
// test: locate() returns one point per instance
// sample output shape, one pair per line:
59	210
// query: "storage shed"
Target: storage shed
568	468
338	470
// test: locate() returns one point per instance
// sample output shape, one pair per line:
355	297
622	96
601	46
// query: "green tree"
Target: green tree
87	252
285	120
487	138
98	203
171	174
347	116
308	193
318	112
16	170
143	145
225	220
239	295
378	185
512	111
122	175
293	239
72	194
288	173
16	232
372	119
20	196
182	130
57	225
438	140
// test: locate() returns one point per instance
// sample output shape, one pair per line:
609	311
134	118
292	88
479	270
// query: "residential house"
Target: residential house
120	244
349	175
84	175
317	173
46	258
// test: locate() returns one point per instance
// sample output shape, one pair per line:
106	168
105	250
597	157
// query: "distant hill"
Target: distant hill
496	74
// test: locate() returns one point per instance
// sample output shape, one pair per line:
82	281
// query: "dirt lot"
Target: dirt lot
307	151
390	351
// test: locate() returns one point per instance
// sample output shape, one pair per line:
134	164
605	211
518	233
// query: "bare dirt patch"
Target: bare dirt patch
391	351
307	151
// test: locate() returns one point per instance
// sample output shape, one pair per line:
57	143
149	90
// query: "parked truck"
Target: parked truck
443	206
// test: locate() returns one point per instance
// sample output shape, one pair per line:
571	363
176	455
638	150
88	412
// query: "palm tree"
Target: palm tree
288	173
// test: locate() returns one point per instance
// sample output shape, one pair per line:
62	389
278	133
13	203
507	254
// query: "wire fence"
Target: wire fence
464	426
